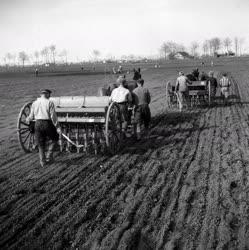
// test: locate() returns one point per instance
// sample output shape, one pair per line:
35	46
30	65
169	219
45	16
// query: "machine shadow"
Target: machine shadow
163	126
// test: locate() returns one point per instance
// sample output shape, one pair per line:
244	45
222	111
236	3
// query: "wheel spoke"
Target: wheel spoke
30	142
24	123
23	131
26	138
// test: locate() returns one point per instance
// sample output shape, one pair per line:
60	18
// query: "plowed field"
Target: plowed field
184	186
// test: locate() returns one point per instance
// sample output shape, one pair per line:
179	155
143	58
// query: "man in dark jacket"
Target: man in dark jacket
142	109
137	74
196	73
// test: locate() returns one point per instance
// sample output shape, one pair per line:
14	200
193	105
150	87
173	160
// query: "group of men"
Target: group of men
135	97
183	82
46	121
129	98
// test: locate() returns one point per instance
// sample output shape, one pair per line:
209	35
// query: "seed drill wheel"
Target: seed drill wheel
169	95
113	128
26	131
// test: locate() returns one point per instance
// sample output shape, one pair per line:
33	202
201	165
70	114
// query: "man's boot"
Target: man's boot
50	158
42	156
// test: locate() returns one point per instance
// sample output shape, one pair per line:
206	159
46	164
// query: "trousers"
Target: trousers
45	131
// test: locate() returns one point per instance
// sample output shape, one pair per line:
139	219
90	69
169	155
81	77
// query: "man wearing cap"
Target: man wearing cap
182	89
123	98
142	109
225	84
46	125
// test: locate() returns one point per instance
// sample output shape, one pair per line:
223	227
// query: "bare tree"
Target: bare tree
236	45
23	57
5	61
96	54
8	57
53	52
241	43
45	54
63	55
216	43
36	55
165	49
205	47
227	43
194	46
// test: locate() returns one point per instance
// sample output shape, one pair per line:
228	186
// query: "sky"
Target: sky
117	27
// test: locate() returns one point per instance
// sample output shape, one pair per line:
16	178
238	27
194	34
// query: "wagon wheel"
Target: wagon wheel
26	131
113	128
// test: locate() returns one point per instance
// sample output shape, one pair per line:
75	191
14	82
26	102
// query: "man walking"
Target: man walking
182	90
122	97
46	123
142	109
225	84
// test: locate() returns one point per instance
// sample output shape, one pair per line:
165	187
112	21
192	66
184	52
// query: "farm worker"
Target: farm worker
142	109
46	125
120	69
36	72
196	73
212	82
137	74
123	98
225	84
182	89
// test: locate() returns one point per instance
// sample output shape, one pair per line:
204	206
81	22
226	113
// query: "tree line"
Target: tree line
48	55
209	47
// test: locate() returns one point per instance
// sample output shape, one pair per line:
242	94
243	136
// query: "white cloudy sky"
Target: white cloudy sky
117	27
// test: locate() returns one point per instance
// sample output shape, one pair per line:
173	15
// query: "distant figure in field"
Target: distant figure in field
137	74
82	68
142	109
181	89
196	73
36	72
114	70
212	81
225	85
120	69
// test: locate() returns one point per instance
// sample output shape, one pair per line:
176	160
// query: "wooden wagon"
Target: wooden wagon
198	94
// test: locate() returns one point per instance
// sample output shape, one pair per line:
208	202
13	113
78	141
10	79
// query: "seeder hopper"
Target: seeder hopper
88	123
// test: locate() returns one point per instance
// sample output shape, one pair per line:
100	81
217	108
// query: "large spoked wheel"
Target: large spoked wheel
169	96
113	128
26	131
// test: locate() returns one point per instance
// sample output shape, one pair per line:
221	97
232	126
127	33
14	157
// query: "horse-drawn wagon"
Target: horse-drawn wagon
198	94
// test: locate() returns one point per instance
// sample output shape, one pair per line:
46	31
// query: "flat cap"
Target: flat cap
46	91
